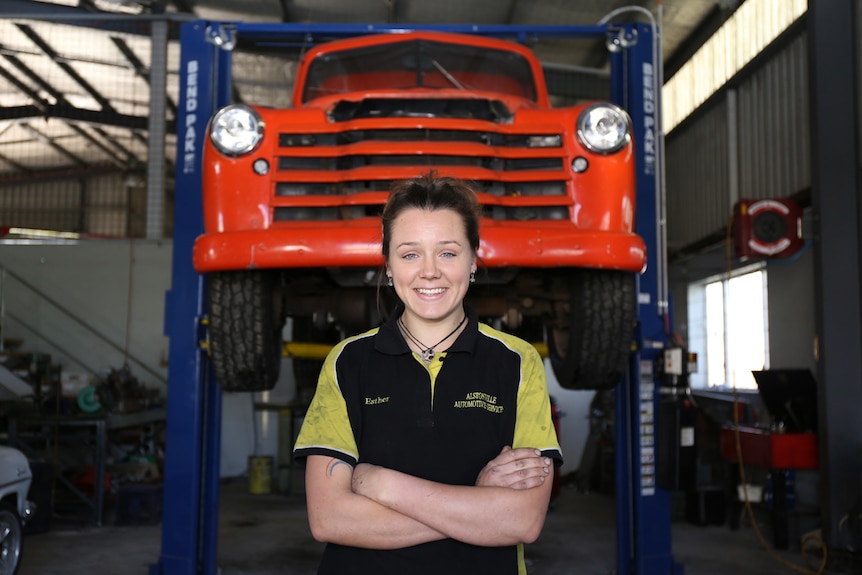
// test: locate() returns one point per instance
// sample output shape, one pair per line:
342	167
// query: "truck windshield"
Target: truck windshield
420	64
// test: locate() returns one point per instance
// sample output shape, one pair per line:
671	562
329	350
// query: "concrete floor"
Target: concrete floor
268	535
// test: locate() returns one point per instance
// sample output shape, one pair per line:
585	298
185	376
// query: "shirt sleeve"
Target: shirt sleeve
534	426
326	429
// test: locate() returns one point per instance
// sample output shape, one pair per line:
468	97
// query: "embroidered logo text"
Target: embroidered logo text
479	400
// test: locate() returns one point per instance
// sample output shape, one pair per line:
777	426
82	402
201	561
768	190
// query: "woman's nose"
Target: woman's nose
429	268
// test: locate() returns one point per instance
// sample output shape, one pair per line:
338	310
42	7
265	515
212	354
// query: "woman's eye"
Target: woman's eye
409	256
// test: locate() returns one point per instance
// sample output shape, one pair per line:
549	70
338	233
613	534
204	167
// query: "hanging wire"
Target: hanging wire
662	303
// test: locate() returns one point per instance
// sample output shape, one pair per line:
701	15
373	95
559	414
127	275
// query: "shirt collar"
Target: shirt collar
390	341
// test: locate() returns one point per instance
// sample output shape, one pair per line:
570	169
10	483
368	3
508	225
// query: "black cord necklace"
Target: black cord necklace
427	352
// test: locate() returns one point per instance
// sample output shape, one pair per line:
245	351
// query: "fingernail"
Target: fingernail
537	452
547	461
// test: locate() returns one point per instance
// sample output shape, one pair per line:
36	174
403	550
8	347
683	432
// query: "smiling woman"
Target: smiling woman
414	495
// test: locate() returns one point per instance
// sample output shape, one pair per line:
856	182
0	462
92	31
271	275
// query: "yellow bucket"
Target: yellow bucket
260	474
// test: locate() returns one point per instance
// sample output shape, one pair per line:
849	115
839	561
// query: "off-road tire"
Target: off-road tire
591	334
245	329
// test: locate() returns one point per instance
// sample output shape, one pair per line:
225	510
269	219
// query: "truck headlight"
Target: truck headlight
236	129
604	128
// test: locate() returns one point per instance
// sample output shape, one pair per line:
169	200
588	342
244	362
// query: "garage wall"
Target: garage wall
90	305
99	205
751	140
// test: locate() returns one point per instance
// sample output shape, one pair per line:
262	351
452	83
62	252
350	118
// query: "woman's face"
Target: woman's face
430	261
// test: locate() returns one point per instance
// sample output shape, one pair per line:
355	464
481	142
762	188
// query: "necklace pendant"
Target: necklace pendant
427	354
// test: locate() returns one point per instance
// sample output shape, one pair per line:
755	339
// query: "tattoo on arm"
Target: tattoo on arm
333	463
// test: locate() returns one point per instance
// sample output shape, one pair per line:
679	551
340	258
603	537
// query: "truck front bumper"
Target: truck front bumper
529	245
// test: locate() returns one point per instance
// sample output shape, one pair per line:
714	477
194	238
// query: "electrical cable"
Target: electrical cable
742	479
662	303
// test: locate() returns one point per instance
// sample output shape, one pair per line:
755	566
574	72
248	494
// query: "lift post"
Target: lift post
193	426
191	478
643	508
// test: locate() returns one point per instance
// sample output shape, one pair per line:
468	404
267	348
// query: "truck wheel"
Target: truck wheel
11	539
590	337
245	325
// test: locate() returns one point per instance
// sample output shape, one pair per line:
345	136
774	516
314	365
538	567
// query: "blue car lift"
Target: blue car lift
191	474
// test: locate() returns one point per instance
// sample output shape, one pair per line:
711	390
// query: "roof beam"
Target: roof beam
57	174
17	165
131	158
54	145
112	156
139	67
65	66
67	112
15	8
35	78
39	103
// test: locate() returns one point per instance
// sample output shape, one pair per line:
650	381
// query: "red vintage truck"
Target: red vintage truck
292	201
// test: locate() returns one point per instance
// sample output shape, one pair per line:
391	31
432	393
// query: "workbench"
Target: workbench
779	453
26	431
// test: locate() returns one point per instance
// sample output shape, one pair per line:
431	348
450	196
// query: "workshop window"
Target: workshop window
728	330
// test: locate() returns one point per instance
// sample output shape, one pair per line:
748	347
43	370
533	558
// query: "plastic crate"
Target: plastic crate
139	504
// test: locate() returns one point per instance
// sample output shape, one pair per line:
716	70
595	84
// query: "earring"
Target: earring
389	281
472	277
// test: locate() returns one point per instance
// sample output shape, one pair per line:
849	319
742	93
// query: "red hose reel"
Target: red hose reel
769	228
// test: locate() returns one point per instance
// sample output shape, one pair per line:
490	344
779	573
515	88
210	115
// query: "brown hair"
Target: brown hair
432	192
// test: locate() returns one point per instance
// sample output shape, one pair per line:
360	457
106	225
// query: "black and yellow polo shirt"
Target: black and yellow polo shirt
377	402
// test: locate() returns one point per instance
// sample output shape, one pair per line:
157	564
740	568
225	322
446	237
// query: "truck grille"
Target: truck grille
353	162
406	135
317	213
347	174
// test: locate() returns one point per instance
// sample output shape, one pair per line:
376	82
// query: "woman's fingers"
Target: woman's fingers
520	468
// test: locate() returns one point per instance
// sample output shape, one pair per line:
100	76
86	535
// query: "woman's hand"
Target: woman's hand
521	468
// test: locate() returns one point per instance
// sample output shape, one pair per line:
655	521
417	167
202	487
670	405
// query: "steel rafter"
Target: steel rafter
32	76
57	174
139	67
16	165
52	144
34	86
89	137
66	67
131	159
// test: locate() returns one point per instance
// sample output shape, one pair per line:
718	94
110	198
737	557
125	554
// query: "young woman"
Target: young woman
429	441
